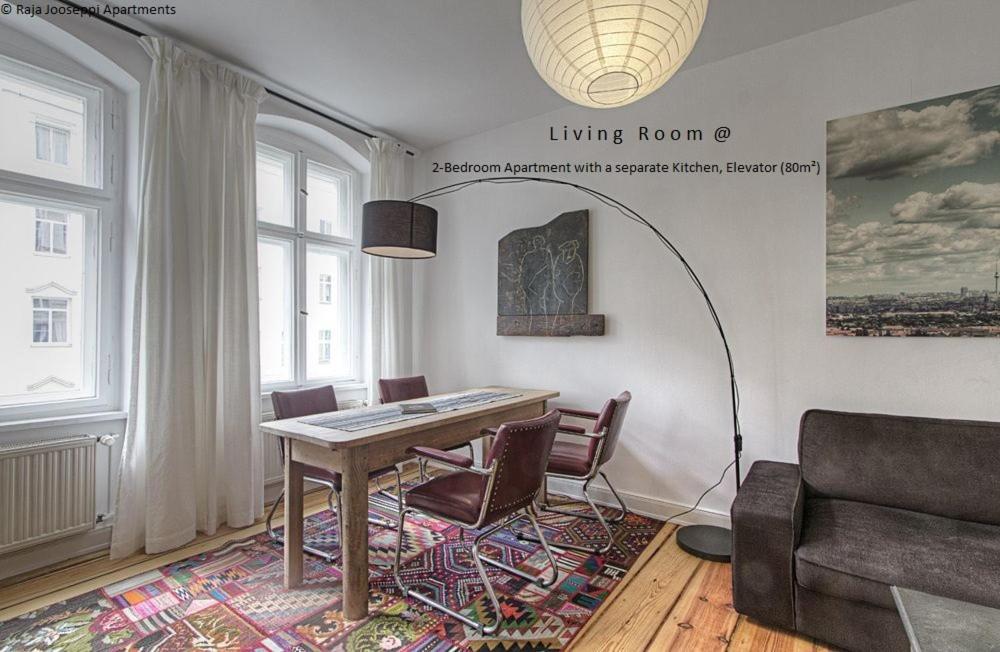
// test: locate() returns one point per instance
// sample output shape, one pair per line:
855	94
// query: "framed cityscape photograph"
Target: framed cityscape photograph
913	219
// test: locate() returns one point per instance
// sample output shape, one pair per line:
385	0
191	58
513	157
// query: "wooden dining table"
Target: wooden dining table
353	454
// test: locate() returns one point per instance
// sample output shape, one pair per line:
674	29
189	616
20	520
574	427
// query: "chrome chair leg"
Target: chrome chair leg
478	558
597	516
533	517
623	510
385	492
398	497
412	593
538	580
276	538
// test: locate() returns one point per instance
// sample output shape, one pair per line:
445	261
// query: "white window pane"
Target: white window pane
328	351
274	263
47	335
59	238
325	288
40	326
59	327
42	143
51	125
43	240
325	340
275	201
60	146
327	205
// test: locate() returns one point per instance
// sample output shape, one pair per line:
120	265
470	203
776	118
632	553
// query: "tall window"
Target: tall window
309	260
51	144
50	319
325	345
50	231
325	288
58	213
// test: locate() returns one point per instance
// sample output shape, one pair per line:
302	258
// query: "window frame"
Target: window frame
101	199
304	151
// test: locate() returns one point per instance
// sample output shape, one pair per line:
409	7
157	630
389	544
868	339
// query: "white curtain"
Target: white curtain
388	279
192	457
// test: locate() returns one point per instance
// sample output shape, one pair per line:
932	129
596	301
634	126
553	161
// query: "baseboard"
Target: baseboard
641	504
54	552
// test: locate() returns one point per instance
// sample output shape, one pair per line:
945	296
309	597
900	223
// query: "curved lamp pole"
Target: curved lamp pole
408	230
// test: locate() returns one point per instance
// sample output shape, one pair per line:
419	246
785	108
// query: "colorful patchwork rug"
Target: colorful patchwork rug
233	598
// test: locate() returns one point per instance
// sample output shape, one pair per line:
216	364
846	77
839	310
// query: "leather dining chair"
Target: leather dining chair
305	402
485	499
583	461
393	390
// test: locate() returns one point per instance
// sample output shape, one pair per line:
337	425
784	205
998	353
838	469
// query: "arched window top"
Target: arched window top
311	136
45	45
59	99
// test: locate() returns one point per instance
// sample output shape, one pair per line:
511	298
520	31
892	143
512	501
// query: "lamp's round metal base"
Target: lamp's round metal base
706	542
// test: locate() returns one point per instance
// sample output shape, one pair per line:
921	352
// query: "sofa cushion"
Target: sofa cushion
935	466
856	551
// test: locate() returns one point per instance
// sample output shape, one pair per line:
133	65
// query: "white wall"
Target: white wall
757	242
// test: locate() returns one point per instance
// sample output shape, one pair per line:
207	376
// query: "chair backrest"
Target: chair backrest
521	452
302	403
391	390
612	417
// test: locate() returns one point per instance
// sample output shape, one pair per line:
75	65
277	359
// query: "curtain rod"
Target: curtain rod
281	96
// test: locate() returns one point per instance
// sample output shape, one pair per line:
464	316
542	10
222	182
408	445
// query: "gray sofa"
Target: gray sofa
875	500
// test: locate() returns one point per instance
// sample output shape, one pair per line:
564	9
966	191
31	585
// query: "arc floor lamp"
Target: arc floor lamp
408	230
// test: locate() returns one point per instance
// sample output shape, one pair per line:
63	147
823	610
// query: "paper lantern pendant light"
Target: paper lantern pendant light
608	53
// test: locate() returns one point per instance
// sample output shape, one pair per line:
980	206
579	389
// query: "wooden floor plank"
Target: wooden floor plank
654	546
631	619
753	637
703	619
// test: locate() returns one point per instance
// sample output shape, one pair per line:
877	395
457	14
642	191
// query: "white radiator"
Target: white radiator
46	490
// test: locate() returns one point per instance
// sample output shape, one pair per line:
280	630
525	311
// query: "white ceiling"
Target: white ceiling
431	71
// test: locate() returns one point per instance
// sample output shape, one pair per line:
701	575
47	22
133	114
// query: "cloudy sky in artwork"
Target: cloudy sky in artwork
913	197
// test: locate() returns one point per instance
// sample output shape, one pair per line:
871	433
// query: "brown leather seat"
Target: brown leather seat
317	400
392	390
306	402
581	460
458	496
486	499
568	458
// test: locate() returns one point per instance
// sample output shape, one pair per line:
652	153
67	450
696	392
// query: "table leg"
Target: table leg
293	519
354	547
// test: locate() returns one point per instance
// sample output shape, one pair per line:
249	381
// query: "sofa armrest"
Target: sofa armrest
767	522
